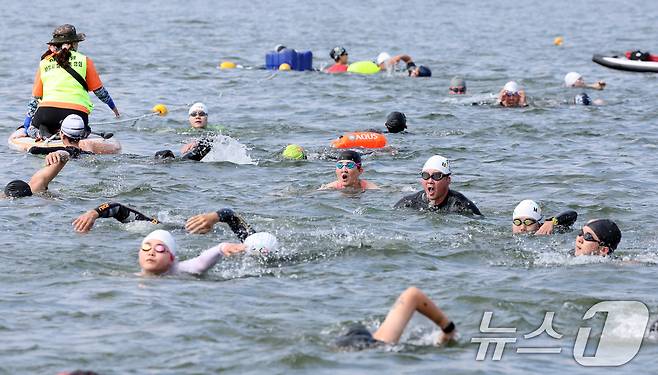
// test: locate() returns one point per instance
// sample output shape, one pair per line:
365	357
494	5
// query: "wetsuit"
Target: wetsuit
203	147
74	152
564	220
357	338
199	264
454	202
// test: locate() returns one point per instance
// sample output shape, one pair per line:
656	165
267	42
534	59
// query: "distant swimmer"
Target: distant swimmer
387	62
573	79
340	56
396	122
55	162
389	332
348	172
528	215
61	85
73	130
511	95
584	99
158	253
598	237
457	86
436	194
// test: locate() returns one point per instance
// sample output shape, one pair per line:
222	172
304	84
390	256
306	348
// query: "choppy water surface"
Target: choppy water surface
73	301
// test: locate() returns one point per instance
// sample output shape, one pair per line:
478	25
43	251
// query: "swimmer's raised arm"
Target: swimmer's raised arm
204	223
207	259
563	220
55	162
124	214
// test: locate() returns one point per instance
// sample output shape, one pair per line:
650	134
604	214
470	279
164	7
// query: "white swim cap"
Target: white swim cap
197	107
74	127
511	87
165	237
382	57
527	208
261	243
571	78
439	163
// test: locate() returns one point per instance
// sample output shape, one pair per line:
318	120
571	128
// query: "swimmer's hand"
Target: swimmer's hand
85	222
57	157
188	147
116	112
545	229
444	338
203	223
600	85
229	249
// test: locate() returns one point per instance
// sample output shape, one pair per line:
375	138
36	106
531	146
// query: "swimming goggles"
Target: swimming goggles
527	222
159	248
436	176
511	94
588	237
458	90
200	113
349	165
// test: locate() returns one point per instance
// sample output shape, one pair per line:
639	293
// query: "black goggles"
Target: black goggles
436	176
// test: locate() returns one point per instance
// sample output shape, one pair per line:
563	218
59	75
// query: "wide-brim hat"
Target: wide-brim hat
66	34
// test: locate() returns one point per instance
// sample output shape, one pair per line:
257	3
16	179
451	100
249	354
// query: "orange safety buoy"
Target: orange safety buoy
360	139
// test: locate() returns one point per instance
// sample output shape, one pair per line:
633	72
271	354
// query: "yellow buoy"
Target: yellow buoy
160	109
227	65
558	41
284	66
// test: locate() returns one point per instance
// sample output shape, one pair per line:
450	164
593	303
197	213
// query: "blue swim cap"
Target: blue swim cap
583	99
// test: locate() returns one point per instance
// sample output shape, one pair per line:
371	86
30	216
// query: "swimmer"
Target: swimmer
71	132
340	56
157	255
598	237
348	171
512	96
389	332
457	86
584	99
387	62
527	218
195	150
436	194
55	162
573	79
396	122
198	116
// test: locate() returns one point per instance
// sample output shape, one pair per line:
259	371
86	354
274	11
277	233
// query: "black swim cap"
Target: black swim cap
424	71
18	189
164	154
337	52
396	122
583	99
350	155
607	231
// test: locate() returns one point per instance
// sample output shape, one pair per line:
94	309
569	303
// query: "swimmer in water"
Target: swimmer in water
396	122
157	255
340	56
457	86
55	162
573	79
527	218
512	96
584	99
197	149
389	332
387	62
598	237
348	172
436	194
72	131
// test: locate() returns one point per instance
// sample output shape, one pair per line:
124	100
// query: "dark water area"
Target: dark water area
73	301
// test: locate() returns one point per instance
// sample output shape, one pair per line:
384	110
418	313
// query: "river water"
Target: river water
73	301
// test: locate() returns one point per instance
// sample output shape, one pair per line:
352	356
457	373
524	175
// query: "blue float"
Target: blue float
299	61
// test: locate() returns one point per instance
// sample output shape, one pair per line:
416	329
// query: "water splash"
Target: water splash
228	149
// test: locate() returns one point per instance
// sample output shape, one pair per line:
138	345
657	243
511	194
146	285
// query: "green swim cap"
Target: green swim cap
294	152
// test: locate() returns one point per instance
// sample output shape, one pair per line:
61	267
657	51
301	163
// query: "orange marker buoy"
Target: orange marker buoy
360	139
558	41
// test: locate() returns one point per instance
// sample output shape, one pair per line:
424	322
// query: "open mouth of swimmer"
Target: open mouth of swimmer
344	175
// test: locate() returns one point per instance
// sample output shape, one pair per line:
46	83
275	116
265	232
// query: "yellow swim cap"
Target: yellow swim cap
294	152
160	109
227	65
284	66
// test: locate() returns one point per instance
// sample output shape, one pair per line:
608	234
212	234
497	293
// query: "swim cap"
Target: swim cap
457	81
18	189
285	66
350	155
197	107
279	47
571	78
337	52
424	71
74	127
294	152
382	57
438	163
583	99
607	231
165	237
165	154
262	242
396	122
527	208
511	87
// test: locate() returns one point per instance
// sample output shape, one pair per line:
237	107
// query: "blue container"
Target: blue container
299	61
